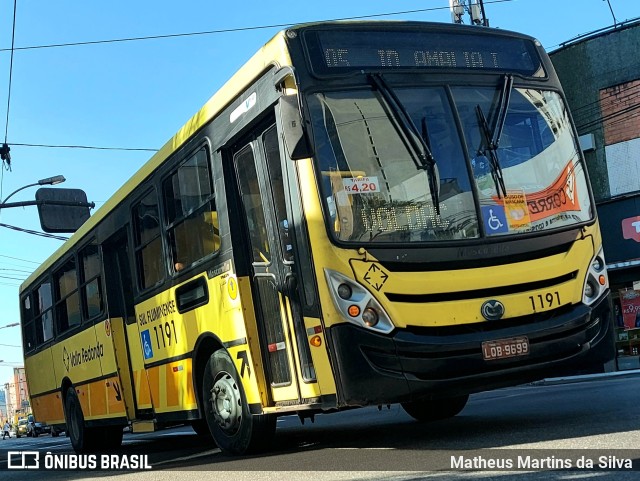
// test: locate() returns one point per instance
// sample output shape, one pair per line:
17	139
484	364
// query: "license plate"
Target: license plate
504	348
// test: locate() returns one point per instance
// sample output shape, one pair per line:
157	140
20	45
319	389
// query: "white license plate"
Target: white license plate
504	348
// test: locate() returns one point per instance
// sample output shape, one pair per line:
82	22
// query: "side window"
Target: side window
149	257
91	278
191	216
43	313
67	297
28	324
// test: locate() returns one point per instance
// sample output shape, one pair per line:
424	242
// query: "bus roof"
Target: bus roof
273	52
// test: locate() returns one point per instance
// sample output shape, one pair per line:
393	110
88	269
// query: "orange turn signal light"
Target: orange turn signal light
354	311
602	280
315	341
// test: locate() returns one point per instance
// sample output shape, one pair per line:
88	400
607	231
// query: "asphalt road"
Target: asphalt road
552	425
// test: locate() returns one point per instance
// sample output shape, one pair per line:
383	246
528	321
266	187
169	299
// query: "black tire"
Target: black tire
110	438
83	439
234	429
201	428
34	434
435	409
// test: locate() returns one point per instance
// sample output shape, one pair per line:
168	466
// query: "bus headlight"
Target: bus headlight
356	304
597	280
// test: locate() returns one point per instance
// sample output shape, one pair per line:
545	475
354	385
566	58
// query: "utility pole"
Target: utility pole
475	9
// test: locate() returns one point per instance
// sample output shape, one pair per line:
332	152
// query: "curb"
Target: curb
585	377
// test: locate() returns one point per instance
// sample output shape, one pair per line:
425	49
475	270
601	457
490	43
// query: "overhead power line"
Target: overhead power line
34	232
230	30
92	147
19	259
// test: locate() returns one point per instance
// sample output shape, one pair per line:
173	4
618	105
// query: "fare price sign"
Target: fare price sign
361	185
345	50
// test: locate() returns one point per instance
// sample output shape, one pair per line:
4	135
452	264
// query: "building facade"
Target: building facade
600	73
17	396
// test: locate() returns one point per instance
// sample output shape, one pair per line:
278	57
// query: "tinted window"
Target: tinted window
43	313
67	297
192	219
91	281
149	256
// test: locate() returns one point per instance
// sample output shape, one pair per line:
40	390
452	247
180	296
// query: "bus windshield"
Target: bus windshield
374	191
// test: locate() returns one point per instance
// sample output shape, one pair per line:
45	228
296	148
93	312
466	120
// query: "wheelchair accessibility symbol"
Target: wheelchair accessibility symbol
495	219
147	349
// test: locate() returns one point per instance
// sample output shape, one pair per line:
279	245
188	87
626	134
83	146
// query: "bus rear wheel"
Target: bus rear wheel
435	409
83	439
234	429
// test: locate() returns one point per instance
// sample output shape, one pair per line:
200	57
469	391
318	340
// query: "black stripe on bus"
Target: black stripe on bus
75	385
483	293
235	342
162	362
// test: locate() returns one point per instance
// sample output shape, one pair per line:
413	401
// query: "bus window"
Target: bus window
190	212
44	313
149	258
28	326
67	298
91	281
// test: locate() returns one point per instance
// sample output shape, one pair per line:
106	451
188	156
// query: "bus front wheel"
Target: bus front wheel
435	409
234	429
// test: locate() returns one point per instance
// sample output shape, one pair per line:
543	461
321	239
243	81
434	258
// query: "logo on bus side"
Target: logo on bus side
492	310
84	355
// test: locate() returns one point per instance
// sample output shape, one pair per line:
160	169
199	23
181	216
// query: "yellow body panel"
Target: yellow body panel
41	375
99	399
325	381
48	407
171	387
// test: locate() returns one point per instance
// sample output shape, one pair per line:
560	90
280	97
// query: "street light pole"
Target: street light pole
57	179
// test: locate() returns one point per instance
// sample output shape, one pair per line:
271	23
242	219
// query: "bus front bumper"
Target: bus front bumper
414	364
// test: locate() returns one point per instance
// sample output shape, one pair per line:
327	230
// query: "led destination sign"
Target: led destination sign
340	51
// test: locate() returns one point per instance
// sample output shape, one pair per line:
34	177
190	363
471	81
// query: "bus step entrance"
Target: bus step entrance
143	426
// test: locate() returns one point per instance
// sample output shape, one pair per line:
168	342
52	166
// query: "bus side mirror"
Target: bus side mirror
62	210
295	137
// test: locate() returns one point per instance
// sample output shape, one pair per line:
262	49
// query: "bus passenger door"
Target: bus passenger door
288	365
124	328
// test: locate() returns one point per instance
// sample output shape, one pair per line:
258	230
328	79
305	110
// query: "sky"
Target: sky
137	94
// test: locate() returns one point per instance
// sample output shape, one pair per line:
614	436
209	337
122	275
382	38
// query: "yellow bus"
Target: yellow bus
365	213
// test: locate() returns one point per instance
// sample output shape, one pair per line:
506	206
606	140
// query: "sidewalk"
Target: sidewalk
627	366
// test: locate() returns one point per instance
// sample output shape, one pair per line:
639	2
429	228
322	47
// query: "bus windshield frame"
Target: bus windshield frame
373	192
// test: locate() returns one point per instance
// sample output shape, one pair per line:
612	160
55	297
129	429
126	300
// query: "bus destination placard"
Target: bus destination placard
341	51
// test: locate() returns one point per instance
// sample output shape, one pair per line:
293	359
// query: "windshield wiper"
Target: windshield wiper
417	143
492	137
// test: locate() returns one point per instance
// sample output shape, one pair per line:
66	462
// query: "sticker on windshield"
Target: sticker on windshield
558	198
361	185
495	219
515	206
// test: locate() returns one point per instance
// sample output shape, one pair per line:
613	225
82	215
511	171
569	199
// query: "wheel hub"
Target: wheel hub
226	403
